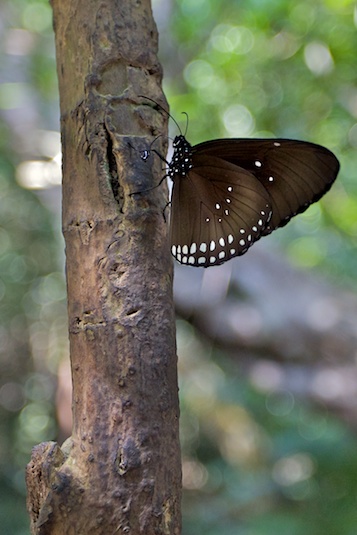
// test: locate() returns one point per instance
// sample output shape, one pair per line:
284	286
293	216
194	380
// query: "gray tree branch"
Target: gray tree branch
120	470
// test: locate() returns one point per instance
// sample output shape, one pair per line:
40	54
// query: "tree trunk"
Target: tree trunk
120	471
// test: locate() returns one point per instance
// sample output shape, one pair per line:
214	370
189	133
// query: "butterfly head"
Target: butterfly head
181	161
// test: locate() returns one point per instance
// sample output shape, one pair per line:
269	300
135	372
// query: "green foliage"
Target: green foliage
264	69
32	290
28	314
255	461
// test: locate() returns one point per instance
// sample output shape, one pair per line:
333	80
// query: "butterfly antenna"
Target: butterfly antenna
157	137
184	113
163	109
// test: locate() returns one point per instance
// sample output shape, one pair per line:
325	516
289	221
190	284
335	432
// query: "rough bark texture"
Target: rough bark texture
120	471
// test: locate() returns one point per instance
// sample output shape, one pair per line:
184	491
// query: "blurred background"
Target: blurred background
267	342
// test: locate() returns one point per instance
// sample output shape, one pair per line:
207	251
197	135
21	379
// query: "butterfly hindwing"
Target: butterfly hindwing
218	211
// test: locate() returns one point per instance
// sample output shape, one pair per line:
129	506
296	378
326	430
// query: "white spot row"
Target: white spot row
203	247
185	254
202	259
192	260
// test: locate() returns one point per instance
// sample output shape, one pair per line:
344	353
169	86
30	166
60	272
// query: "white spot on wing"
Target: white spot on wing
212	245
201	260
222	242
230	238
222	254
185	249
193	248
203	247
173	250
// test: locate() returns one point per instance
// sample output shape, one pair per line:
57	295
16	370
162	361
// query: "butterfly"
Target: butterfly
228	193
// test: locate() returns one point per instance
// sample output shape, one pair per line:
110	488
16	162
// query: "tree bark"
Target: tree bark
120	471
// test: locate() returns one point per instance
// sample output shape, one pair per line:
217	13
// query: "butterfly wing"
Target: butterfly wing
294	173
218	211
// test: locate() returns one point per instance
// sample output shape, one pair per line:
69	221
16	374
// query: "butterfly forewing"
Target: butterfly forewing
294	173
218	211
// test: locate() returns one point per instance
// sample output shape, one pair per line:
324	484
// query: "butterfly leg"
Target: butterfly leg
145	154
164	210
149	189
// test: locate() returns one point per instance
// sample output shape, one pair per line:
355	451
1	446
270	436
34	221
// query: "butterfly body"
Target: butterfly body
227	193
